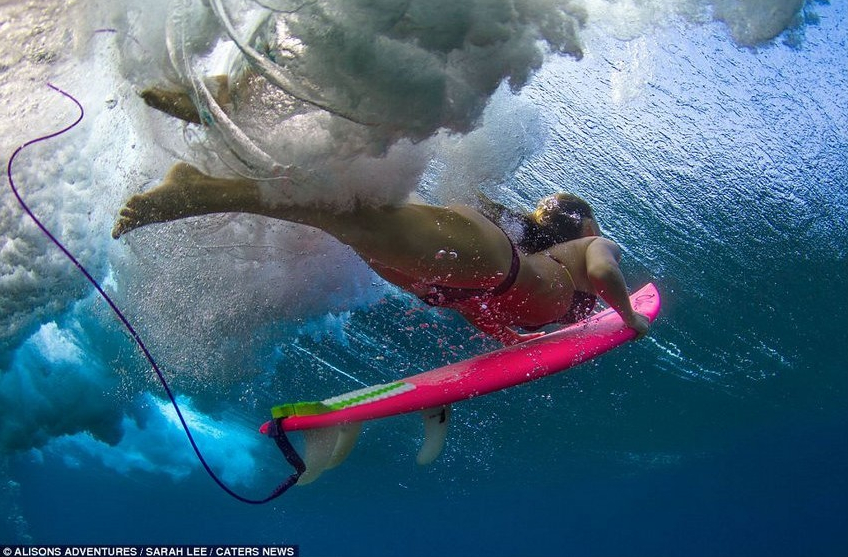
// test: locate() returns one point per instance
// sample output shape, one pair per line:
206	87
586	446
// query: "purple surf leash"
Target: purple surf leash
275	432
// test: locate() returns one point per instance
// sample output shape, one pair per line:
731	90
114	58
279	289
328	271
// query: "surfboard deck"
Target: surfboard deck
497	370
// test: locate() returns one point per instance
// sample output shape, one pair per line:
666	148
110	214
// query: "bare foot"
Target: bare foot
173	103
175	198
179	104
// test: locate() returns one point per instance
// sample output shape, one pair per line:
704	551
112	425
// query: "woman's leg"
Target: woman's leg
187	192
407	244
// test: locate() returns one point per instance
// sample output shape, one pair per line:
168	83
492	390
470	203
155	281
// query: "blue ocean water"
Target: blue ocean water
722	170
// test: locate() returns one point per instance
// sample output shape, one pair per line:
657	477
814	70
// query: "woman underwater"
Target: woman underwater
453	257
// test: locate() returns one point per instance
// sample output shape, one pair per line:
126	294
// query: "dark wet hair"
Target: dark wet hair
558	218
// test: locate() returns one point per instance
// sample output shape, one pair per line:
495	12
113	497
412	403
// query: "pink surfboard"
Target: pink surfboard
433	391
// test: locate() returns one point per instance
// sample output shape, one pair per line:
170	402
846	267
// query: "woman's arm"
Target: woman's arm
602	258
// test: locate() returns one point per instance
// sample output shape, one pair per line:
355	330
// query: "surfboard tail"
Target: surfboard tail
328	447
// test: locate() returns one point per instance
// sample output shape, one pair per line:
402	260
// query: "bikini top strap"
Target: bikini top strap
564	268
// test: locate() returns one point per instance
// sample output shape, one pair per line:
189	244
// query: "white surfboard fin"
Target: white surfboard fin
348	434
326	448
435	431
319	449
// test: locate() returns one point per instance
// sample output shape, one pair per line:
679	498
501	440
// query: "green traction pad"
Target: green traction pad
353	398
